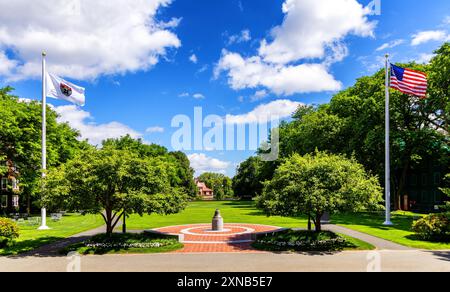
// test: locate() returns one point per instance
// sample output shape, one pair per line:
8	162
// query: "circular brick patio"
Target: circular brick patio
199	238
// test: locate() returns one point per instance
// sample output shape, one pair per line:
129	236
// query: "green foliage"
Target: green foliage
315	184
291	240
434	227
112	182
178	165
353	124
126	243
20	139
9	231
219	183
247	183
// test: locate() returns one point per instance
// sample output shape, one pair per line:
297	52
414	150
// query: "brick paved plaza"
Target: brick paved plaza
235	238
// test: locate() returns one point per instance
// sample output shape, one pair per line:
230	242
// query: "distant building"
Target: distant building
9	189
203	191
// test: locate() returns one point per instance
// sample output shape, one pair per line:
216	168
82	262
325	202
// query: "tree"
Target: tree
219	183
247	181
178	165
20	140
353	124
320	183
112	182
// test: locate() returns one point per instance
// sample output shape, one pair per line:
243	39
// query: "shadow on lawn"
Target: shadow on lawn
28	247
43	247
374	220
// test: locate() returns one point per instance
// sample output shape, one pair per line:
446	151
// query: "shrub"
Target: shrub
8	232
434	227
291	240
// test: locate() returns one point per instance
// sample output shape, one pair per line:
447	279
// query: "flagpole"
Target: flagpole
388	149
44	138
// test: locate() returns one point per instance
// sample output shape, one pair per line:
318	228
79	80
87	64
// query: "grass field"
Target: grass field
245	212
126	244
400	233
233	212
202	212
71	224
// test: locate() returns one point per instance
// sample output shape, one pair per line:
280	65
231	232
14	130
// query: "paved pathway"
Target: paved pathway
348	261
380	244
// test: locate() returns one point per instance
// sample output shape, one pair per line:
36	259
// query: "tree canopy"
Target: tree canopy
353	124
319	183
20	139
111	182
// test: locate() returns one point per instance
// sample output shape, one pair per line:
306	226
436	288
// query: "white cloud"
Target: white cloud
184	94
198	96
6	65
282	80
152	130
447	20
312	29
84	39
260	94
95	133
193	58
310	26
390	45
425	58
242	37
202	163
273	111
428	36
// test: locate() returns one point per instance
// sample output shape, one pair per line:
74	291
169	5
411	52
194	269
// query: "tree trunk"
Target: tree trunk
318	222
109	223
309	223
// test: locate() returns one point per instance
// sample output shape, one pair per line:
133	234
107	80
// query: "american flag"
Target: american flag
409	81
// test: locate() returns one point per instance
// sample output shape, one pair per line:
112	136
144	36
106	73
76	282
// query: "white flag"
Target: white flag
61	89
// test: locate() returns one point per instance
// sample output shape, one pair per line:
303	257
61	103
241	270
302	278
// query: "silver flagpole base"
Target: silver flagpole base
388	223
44	220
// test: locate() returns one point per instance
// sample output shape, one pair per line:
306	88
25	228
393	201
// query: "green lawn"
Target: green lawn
202	212
126	244
400	233
71	224
245	212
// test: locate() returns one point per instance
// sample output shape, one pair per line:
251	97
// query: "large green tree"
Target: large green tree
20	140
178	165
353	124
319	183
112	183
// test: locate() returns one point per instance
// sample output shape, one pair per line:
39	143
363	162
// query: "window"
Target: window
15	201
15	184
4	184
437	178
4	201
414	180
424	179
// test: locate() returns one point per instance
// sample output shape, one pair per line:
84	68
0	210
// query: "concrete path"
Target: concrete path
349	261
380	244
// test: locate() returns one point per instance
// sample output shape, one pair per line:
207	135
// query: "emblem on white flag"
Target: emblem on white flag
61	89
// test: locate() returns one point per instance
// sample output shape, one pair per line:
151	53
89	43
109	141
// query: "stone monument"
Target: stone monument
217	221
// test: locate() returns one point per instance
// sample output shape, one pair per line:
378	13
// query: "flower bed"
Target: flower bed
291	240
126	243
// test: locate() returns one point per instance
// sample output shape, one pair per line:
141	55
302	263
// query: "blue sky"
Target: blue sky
144	64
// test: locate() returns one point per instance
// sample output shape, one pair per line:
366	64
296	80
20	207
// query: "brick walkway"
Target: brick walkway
199	238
